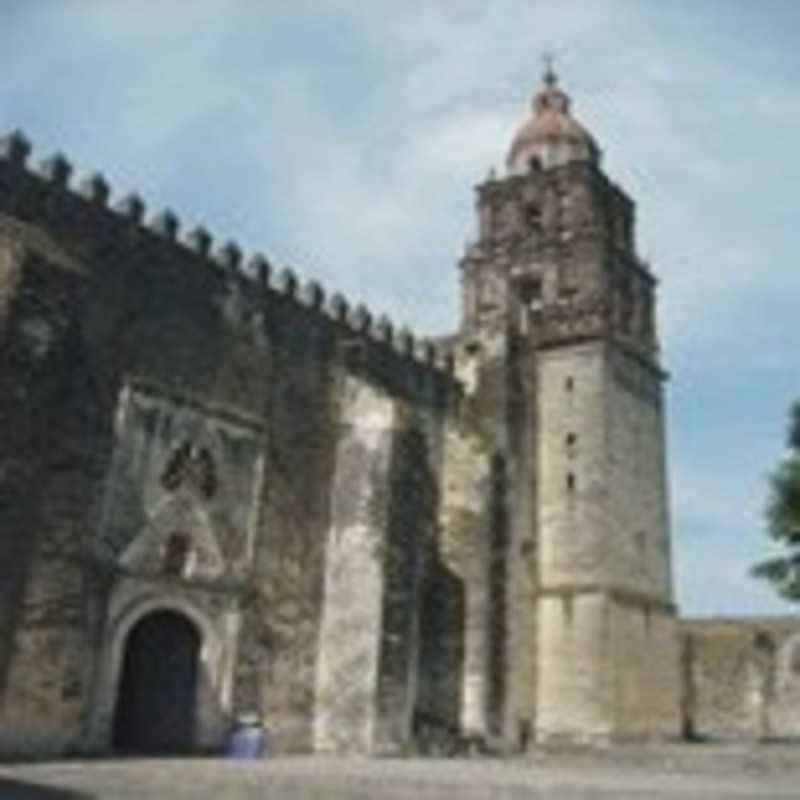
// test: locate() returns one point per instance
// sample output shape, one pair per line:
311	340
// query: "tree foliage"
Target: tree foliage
783	516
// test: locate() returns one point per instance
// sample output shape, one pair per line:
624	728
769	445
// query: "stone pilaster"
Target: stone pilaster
348	665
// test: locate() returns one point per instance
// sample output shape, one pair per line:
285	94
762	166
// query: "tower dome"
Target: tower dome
551	136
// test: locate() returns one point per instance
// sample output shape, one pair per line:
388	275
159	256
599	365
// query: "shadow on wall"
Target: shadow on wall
56	435
498	580
419	577
20	790
436	723
16	553
410	553
41	474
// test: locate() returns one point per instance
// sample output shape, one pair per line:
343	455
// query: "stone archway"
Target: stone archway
157	695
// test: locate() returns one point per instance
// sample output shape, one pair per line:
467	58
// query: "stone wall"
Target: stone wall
646	692
638	556
572	452
391	653
97	307
741	678
603	479
456	693
517	484
608	670
490	517
574	680
55	443
607	649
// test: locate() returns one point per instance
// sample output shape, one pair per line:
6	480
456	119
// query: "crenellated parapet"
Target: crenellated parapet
45	196
15	148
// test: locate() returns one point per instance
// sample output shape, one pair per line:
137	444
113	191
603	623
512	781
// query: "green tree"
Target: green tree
783	516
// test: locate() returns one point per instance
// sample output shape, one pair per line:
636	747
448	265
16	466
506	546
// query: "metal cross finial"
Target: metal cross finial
549	59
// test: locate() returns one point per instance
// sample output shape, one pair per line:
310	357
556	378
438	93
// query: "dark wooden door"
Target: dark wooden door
158	688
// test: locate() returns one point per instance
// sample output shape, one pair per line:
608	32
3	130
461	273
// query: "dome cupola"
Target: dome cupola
551	136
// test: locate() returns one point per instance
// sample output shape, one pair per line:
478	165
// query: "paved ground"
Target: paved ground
657	774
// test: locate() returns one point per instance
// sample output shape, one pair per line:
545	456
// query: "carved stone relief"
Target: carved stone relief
183	495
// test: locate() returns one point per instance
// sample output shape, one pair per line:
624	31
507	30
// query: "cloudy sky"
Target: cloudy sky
344	138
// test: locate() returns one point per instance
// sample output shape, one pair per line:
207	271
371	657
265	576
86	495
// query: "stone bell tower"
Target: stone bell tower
560	312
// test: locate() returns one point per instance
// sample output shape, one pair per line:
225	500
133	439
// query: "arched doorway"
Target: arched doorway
156	701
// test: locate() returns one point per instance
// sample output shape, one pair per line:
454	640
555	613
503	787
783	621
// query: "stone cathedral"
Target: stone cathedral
226	492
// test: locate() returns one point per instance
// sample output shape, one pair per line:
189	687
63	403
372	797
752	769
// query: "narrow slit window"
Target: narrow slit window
571	482
533	214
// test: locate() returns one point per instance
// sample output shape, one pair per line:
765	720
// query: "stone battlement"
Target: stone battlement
45	196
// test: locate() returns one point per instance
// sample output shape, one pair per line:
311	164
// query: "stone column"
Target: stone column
348	663
474	696
464	523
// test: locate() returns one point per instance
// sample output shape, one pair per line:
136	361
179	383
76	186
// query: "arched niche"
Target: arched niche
215	658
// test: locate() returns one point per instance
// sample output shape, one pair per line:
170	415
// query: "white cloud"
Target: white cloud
464	145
